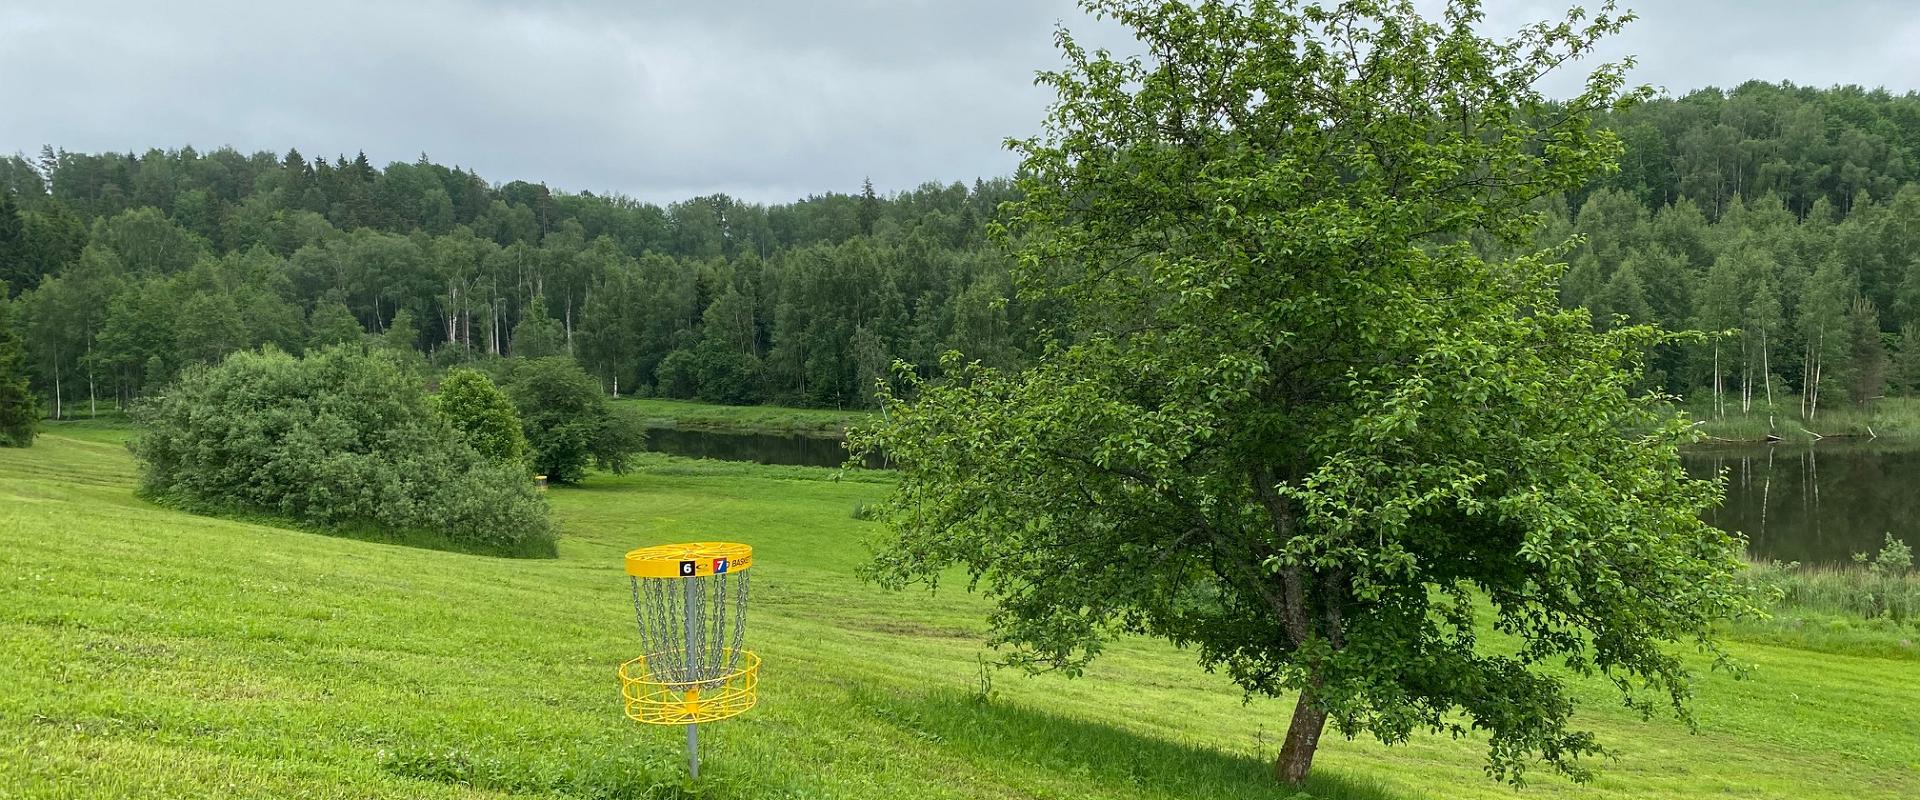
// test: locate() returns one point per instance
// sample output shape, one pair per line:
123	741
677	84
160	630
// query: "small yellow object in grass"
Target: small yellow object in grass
690	603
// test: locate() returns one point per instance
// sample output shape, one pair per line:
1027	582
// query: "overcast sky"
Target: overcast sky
767	101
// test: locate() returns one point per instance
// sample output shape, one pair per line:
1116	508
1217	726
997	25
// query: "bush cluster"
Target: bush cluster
342	440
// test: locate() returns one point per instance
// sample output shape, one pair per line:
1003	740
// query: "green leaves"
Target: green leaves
341	440
483	415
1298	422
568	422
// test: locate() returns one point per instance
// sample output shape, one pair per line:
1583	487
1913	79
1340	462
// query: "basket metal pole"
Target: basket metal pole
692	623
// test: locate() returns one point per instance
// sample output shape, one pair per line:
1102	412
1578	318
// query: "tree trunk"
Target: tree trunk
1806	376
1719	401
1813	402
453	312
1303	738
1746	376
1766	376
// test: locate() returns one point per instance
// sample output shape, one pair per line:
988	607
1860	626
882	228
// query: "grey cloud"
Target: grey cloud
766	101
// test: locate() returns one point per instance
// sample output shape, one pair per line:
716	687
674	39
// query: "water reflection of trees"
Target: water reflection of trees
1815	504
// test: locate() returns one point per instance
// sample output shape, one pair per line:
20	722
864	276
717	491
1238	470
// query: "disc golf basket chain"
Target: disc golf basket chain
690	602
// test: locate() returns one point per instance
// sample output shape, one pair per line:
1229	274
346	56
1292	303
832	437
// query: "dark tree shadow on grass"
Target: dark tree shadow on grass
1103	759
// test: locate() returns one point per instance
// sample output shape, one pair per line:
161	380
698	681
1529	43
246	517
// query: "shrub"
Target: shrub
483	415
342	440
568	421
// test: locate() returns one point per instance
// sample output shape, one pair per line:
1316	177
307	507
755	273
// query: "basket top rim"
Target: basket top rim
689	560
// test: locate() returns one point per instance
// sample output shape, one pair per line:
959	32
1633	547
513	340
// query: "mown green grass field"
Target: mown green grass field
149	653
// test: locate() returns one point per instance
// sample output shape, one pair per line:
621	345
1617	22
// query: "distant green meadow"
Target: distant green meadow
146	653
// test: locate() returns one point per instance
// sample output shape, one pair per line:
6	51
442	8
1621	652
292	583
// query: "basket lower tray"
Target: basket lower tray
661	702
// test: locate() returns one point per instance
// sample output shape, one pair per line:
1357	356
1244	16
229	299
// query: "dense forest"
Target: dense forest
1785	218
127	267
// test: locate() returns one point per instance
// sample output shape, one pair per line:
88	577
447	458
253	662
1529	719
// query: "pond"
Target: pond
764	448
1815	504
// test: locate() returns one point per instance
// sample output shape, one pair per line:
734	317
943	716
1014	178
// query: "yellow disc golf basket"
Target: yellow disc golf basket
690	601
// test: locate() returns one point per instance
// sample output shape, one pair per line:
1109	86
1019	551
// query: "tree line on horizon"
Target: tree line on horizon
125	269
1782	218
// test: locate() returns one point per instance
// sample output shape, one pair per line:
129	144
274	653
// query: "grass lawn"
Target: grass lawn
149	653
746	419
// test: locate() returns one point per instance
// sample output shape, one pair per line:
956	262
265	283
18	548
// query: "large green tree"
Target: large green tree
568	422
1299	426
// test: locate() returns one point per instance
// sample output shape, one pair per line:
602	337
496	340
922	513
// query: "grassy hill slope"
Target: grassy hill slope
148	653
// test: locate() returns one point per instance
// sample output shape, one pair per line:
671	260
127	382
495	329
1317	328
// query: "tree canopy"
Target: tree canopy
806	302
1294	419
568	422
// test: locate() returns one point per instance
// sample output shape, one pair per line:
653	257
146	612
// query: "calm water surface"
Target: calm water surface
1816	504
1813	504
764	448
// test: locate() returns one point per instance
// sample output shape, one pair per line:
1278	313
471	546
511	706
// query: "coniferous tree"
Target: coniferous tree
869	207
402	332
1624	299
53	237
18	415
14	264
1903	372
1867	353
